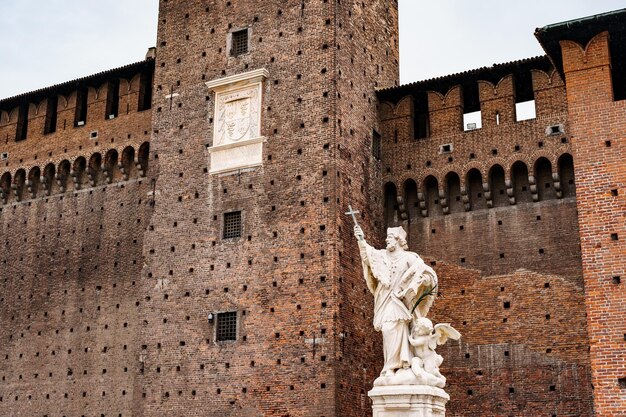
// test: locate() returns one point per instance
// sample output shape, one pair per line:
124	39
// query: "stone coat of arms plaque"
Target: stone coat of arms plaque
237	141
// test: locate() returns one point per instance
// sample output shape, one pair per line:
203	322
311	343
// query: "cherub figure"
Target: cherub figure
424	339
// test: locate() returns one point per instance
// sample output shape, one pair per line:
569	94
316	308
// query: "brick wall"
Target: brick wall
598	141
288	277
495	213
72	238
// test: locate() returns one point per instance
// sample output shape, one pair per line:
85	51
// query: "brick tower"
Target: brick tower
591	53
264	130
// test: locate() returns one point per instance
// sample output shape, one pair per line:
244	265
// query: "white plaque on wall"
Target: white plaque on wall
237	140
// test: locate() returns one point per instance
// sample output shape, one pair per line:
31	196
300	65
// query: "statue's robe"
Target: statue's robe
386	276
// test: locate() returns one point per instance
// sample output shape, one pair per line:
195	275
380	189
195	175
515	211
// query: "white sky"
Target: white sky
47	42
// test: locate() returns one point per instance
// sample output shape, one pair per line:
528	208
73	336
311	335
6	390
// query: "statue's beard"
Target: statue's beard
391	247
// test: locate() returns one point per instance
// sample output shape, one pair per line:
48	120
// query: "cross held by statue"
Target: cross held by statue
352	213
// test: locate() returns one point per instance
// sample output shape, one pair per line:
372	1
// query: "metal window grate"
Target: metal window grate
226	326
232	224
239	42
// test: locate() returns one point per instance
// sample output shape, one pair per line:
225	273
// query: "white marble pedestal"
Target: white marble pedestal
408	401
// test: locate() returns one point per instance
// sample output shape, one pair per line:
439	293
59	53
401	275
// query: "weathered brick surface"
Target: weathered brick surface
528	356
71	261
523	350
601	182
289	276
108	275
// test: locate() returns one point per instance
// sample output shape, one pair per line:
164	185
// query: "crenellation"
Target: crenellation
445	112
141	280
497	102
549	92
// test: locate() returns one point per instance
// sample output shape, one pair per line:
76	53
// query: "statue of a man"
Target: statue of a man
399	280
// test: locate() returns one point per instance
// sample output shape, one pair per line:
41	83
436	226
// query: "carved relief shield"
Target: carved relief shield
237	119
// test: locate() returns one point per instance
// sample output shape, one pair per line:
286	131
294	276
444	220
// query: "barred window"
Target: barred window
376	144
232	224
239	44
226	326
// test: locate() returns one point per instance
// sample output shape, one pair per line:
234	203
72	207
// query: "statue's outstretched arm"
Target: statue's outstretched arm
360	238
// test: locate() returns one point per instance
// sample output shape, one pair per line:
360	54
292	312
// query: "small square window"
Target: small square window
226	326
232	224
239	45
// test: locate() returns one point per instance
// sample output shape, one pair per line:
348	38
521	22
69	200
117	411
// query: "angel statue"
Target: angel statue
424	339
404	290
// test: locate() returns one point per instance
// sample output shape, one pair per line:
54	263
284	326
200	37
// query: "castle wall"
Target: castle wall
70	301
72	237
116	267
494	209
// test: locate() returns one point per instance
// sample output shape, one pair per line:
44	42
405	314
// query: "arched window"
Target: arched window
521	187
110	166
79	172
475	190
18	181
93	169
144	152
391	205
34	181
49	182
545	185
453	192
128	162
566	174
497	186
5	187
63	174
410	199
431	196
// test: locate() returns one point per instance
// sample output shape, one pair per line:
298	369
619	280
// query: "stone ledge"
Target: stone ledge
249	77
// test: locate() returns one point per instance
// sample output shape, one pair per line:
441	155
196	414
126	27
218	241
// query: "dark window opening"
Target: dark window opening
566	174
410	196
226	326
556	130
472	116
498	187
232	225
475	187
51	115
431	196
22	122
421	123
376	145
453	183
145	91
390	204
543	174
80	113
113	99
519	176
618	67
239	44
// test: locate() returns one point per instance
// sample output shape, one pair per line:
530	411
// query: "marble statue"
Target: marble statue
424	339
404	289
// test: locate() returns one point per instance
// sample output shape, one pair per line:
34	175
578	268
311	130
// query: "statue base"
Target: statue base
408	401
